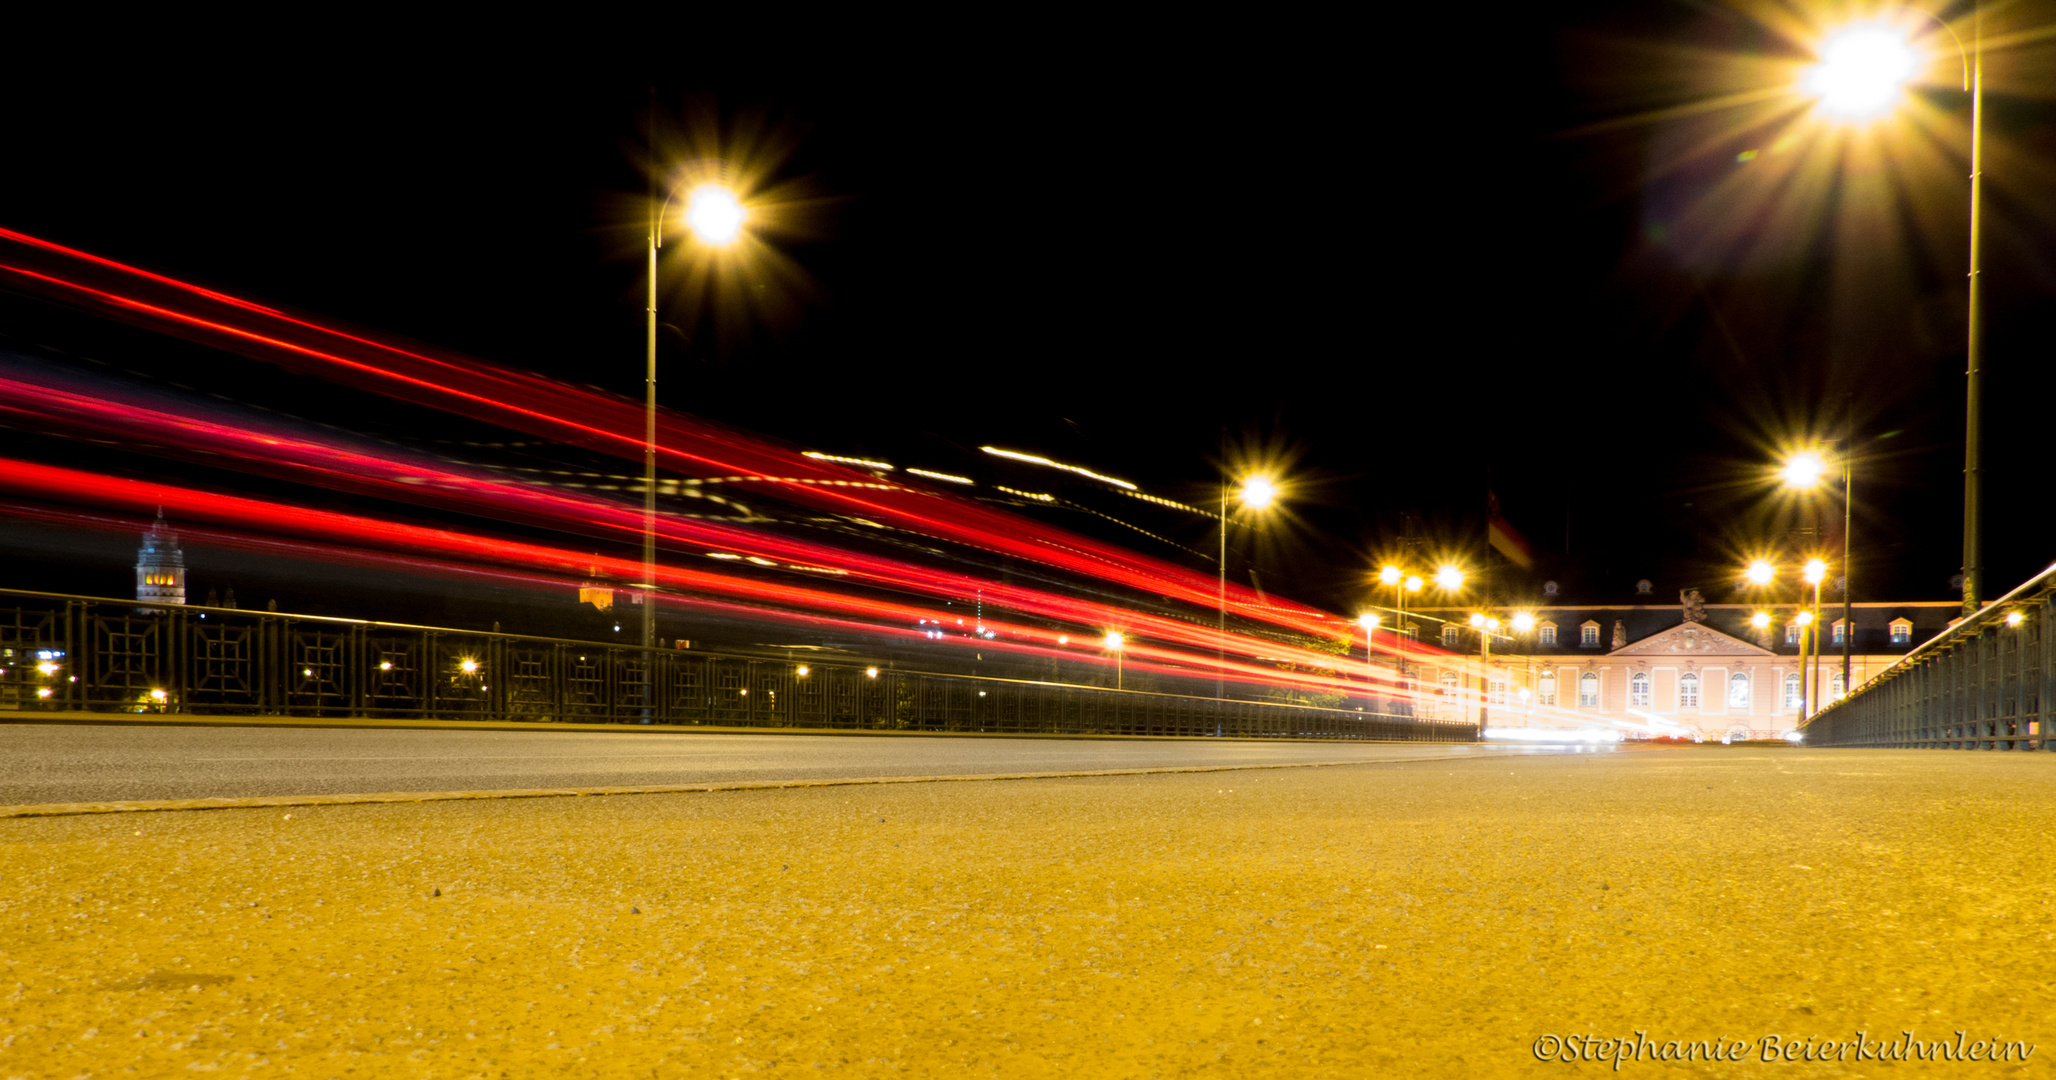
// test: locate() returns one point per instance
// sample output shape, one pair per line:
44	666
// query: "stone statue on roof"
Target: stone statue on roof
1694	605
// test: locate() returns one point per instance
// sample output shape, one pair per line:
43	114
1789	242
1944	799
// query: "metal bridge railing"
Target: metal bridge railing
1986	683
72	653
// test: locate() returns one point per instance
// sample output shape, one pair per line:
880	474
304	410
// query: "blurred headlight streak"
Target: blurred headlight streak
1034	460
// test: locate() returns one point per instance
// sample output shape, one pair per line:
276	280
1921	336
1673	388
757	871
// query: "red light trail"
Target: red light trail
612	425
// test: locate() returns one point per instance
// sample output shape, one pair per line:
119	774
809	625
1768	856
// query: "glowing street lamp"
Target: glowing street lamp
1112	643
1804	471
1863	71
1370	624
1256	493
1449	578
715	216
1760	573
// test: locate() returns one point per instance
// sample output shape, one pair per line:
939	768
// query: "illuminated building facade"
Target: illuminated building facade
161	566
1701	669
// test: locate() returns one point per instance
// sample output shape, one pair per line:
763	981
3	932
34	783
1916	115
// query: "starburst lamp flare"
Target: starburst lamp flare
714	214
1862	71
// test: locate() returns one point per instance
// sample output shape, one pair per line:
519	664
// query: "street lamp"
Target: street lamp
1485	625
1813	574
1761	572
715	216
1113	642
1863	70
1803	471
1256	493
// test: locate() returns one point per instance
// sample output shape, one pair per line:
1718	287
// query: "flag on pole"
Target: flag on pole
1504	538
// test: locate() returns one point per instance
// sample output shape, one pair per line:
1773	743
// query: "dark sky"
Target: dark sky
1404	255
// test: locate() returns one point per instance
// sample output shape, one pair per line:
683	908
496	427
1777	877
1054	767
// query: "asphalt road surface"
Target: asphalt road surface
63	763
1799	912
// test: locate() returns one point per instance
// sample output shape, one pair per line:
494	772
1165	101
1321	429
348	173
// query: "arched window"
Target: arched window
1588	690
1545	634
1638	690
1902	631
1545	690
1688	691
1588	635
1738	690
1835	687
1792	690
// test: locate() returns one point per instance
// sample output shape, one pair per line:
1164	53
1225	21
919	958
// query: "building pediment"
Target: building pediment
1691	639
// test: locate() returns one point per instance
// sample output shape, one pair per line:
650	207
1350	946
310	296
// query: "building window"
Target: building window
1902	632
1791	633
1588	635
1413	631
1835	687
1638	690
1546	633
1545	690
1839	631
1448	635
1588	690
1499	691
1792	691
1688	692
1738	690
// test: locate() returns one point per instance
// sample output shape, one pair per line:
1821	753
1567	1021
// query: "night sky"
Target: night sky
1420	265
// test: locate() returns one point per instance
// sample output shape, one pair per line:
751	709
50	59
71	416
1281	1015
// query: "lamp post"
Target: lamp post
1113	642
1803	471
1815	571
1257	493
715	216
1862	70
1485	625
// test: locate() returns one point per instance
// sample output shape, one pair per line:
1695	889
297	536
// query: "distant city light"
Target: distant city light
871	672
2015	618
801	671
469	666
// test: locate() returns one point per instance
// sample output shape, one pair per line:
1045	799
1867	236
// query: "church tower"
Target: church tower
161	566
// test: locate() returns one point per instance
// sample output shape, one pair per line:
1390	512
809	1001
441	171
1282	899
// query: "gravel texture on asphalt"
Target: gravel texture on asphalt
1433	918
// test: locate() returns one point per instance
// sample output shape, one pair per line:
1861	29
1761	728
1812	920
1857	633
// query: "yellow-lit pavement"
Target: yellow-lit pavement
1431	918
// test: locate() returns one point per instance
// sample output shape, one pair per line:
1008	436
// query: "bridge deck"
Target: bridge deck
1424	918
